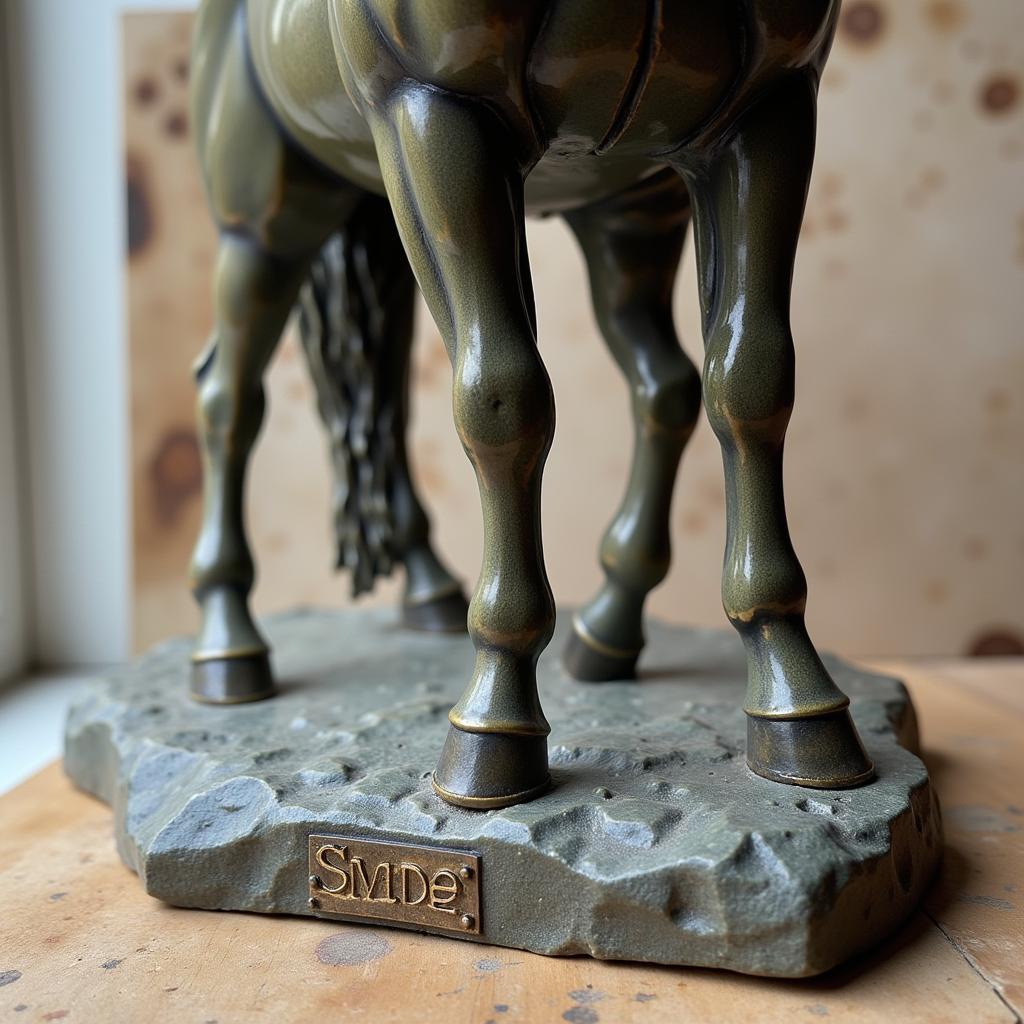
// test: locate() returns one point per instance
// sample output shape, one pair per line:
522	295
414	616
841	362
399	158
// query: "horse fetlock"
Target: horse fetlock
221	560
607	635
229	411
613	619
516	628
670	402
636	553
762	587
246	278
749	381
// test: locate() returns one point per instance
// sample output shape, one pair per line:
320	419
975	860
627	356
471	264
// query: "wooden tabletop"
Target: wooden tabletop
80	941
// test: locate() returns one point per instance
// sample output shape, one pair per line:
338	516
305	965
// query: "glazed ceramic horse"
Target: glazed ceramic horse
459	118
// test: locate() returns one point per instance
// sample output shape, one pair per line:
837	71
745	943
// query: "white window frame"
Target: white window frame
63	61
14	542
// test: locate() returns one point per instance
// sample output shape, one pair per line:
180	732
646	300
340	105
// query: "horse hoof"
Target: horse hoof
446	614
821	752
232	680
584	661
484	770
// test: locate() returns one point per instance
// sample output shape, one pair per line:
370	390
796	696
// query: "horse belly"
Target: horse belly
579	70
294	59
632	76
559	182
696	63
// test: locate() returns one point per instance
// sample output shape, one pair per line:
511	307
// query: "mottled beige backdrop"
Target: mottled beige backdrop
905	469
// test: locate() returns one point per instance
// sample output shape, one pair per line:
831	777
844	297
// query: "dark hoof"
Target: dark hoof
483	770
232	680
446	614
584	661
823	752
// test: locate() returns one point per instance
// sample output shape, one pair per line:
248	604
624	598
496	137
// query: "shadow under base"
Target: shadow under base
655	842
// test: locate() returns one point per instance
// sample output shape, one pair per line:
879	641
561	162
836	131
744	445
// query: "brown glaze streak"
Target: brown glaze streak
637	80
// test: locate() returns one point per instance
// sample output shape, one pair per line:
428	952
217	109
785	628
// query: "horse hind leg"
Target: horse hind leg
253	296
357	329
799	729
632	244
433	600
272	208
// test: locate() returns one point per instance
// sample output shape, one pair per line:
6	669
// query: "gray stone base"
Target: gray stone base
657	843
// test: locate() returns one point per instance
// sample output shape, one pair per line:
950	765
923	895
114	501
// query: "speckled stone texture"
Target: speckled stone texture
656	843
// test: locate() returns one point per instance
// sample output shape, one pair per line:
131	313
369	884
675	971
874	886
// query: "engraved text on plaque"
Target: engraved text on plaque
419	885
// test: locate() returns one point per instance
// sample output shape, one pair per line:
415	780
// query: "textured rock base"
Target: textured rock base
657	843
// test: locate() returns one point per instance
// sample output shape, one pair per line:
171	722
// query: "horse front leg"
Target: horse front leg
457	193
632	244
749	203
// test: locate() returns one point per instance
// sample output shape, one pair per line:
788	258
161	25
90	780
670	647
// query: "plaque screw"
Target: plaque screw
313	902
314	880
468	920
466	871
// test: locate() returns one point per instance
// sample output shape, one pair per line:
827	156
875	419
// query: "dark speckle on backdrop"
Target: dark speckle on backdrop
145	91
176	125
999	94
997	643
862	22
945	15
139	218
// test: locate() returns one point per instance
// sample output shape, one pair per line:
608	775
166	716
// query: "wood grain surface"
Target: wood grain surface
80	940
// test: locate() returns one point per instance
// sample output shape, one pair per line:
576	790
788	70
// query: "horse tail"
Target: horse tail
353	310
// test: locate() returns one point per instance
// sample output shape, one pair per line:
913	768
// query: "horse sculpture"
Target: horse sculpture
343	141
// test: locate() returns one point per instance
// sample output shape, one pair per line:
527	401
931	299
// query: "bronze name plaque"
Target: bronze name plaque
418	885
